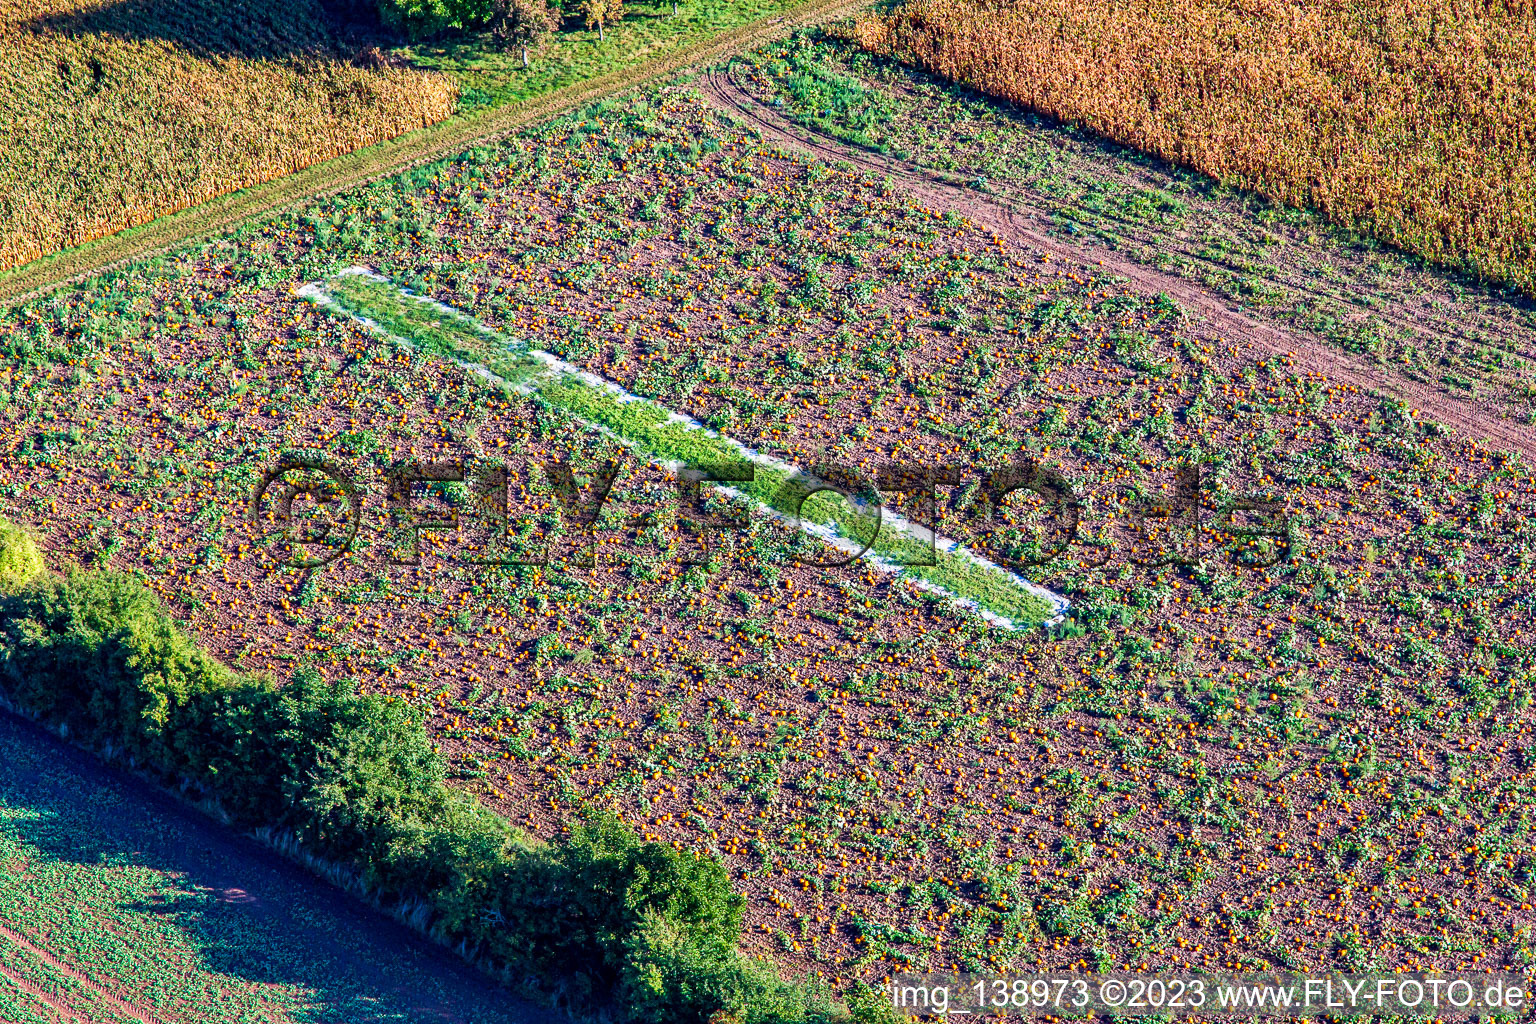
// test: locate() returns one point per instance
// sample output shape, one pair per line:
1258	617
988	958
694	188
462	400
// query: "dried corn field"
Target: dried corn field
1413	122
114	113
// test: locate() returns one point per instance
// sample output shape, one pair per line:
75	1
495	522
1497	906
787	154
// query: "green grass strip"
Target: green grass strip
444	139
662	435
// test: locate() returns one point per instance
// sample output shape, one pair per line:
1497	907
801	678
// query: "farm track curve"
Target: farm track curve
1392	313
390	157
1009	221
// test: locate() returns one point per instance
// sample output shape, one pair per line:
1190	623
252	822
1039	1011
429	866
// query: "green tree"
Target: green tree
599	12
522	23
422	18
416	18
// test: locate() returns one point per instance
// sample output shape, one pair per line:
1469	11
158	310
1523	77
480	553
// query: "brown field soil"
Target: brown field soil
1402	120
1285	267
40	1000
119	1008
1322	762
1014	224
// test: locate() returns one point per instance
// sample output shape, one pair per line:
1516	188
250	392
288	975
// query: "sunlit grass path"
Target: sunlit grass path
676	441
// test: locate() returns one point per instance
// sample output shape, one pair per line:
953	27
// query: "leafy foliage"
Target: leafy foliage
19	558
421	18
96	654
599	13
521	23
355	778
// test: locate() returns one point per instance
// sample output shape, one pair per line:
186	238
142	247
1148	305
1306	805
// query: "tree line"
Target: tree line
517	24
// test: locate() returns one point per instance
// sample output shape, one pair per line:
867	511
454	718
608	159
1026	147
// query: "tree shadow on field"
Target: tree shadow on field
280	30
121	872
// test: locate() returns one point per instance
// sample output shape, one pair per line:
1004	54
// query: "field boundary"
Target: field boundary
381	160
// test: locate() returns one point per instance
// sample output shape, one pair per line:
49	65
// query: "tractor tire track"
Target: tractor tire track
55	1004
1310	351
1398	316
124	1009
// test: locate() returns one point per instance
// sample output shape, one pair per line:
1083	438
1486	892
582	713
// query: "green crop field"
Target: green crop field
116	909
1189	627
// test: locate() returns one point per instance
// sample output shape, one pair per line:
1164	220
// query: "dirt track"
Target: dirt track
1420	319
51	1000
1010	222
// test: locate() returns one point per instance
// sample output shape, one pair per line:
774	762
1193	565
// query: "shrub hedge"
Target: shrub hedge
20	560
616	924
420	18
